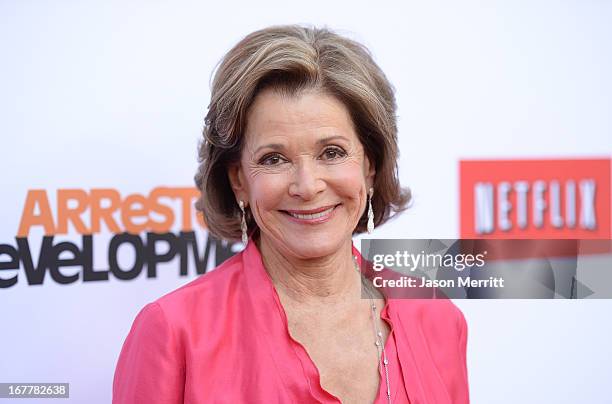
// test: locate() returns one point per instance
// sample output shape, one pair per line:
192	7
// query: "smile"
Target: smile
312	216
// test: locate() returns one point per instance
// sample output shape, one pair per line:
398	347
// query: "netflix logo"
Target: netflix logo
535	198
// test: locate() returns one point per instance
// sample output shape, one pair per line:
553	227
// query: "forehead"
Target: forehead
307	115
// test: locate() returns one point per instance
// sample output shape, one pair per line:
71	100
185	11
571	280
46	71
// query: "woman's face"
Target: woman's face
303	173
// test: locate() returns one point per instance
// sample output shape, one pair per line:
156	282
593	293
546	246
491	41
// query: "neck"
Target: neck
321	280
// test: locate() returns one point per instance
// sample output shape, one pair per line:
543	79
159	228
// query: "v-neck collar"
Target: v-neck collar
272	320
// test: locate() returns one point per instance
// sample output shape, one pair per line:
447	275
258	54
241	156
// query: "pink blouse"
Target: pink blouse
223	338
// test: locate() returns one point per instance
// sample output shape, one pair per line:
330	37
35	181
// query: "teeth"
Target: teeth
311	216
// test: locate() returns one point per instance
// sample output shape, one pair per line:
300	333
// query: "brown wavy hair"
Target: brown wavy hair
290	59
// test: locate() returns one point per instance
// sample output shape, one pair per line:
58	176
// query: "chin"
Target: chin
307	246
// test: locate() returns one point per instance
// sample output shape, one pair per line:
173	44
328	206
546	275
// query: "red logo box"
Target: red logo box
548	199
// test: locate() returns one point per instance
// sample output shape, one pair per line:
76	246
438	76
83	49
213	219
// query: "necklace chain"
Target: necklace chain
380	346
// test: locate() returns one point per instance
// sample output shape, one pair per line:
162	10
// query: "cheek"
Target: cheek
348	182
267	191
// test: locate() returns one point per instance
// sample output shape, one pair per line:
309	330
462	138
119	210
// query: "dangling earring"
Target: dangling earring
243	225
370	212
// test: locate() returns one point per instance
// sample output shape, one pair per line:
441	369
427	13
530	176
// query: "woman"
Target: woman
299	154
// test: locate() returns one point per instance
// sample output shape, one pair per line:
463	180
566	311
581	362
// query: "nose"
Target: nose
306	182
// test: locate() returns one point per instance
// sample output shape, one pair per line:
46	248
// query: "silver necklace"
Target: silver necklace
380	346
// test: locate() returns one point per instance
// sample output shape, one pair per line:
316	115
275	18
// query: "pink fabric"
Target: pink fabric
223	338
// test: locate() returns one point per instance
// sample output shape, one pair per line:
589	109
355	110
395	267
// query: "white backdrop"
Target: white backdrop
112	94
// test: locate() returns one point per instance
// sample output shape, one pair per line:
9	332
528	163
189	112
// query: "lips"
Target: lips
311	214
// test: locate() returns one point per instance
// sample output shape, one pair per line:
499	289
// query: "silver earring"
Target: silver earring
370	212
243	225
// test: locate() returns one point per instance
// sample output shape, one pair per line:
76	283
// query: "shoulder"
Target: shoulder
167	320
434	315
211	286
156	346
200	298
436	331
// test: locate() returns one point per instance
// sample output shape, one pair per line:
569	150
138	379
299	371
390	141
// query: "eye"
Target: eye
271	159
333	153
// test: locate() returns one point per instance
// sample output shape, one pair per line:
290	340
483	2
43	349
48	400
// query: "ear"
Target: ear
369	172
238	183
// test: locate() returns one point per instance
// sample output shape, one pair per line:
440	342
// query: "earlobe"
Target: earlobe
370	173
236	180
371	177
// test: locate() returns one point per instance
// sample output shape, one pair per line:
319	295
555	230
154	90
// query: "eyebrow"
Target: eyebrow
279	146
